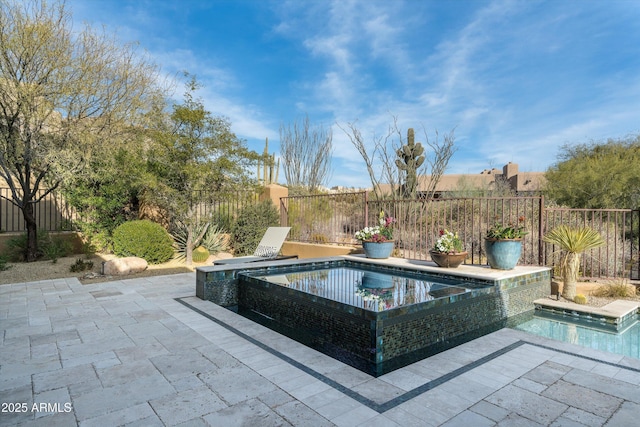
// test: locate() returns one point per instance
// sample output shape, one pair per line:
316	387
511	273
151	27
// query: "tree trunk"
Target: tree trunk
188	250
31	251
570	269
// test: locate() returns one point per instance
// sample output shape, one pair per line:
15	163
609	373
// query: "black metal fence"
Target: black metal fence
335	218
52	213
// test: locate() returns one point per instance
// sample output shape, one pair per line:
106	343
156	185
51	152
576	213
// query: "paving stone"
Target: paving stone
547	373
583	398
63	377
276	398
122	373
298	414
104	400
530	385
359	415
489	410
405	419
627	415
246	384
52	402
515	420
527	404
188	362
469	418
584	417
603	384
249	413
180	407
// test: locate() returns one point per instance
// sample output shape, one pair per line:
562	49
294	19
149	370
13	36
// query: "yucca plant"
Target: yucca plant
573	242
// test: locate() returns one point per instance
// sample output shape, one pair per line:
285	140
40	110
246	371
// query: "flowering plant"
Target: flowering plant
382	232
448	243
509	231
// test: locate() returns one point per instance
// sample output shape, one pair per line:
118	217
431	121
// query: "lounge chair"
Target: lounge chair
268	248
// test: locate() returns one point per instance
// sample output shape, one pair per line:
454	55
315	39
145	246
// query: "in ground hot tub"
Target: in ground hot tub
373	316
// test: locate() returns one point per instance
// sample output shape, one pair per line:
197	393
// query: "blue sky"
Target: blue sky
516	79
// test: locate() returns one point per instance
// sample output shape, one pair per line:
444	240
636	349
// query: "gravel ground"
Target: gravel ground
43	270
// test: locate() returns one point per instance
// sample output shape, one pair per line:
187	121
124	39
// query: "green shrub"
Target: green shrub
81	265
200	254
3	264
251	225
49	247
143	239
56	247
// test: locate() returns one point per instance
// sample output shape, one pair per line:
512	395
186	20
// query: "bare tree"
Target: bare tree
442	152
63	95
388	171
381	162
306	154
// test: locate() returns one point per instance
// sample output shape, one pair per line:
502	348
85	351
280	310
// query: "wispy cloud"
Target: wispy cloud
515	79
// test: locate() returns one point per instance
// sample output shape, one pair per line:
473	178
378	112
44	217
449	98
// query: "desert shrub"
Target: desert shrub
144	239
615	289
49	247
251	225
3	264
200	254
318	238
81	265
56	247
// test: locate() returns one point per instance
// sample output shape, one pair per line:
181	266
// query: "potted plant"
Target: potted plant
448	250
377	241
503	245
573	242
380	298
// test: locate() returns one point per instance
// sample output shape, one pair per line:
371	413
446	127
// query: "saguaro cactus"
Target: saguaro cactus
410	158
268	166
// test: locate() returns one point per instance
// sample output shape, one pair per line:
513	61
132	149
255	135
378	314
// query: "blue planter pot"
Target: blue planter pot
373	280
377	250
503	254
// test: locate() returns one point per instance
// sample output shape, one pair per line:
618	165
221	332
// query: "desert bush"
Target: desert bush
251	225
615	289
144	239
49	247
81	265
3	264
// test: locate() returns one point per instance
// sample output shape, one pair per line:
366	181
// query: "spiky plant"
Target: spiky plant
573	242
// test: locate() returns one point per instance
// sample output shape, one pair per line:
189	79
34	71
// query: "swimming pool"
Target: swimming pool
625	341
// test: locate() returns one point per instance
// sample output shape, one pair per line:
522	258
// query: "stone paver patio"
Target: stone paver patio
147	352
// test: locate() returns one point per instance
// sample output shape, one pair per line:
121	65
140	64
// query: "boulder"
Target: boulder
124	266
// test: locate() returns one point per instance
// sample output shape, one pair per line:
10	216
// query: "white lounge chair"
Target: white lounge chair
268	248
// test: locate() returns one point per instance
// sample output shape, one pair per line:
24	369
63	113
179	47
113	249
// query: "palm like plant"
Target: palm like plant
573	242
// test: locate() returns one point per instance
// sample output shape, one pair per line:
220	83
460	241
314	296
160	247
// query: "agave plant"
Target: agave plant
187	237
573	242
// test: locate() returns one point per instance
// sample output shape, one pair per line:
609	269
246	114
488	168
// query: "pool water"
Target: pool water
371	290
625	342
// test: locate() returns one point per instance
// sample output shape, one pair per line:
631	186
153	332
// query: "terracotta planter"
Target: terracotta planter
378	250
503	254
448	260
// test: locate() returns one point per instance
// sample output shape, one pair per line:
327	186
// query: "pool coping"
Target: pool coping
480	272
617	313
